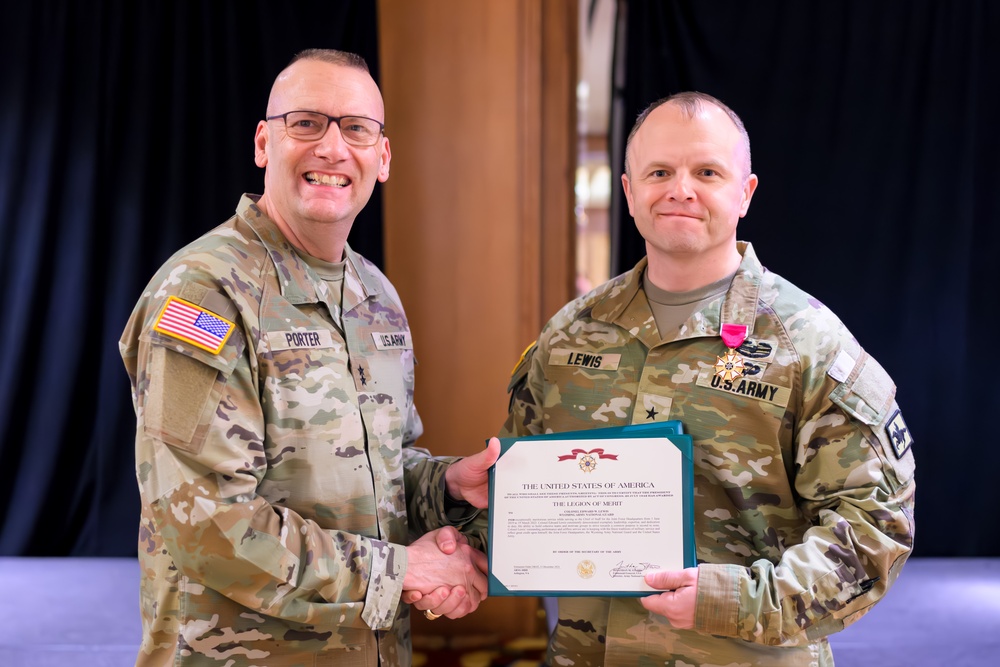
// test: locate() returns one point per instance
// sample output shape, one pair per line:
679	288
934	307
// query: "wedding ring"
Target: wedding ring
431	615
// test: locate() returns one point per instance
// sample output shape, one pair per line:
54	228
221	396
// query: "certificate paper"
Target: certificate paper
589	512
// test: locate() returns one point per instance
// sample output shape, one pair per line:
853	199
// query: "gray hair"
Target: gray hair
332	56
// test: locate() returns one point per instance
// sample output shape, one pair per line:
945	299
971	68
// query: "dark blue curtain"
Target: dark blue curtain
874	130
126	130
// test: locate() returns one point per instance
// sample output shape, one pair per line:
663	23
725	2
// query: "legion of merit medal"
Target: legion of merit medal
730	366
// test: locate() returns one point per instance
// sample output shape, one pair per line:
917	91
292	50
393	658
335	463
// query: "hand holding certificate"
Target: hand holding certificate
589	512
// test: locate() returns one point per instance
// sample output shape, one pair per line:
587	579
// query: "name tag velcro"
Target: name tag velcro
594	360
746	387
392	340
298	340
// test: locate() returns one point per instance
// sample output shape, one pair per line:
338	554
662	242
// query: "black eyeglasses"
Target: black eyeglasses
312	126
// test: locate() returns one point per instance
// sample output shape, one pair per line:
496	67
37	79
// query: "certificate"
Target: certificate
590	512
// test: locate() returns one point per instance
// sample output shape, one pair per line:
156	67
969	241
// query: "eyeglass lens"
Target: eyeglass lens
355	129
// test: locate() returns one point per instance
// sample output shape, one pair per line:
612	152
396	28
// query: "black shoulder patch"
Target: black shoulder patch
899	434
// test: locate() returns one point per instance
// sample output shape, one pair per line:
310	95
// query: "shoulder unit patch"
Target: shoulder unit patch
899	434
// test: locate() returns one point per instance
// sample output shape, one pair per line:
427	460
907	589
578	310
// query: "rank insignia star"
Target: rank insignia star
729	367
361	376
651	413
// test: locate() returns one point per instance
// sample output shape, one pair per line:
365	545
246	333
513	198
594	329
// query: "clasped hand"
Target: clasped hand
467	479
443	561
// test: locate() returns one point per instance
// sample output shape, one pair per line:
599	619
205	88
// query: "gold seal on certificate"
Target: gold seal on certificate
590	512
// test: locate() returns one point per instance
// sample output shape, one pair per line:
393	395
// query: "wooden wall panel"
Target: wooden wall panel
480	112
452	209
480	115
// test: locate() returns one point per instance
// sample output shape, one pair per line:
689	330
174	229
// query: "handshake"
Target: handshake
445	576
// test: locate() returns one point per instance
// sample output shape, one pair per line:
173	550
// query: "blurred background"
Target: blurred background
126	131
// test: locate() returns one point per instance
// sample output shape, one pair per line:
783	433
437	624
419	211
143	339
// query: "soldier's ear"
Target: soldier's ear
748	189
627	187
260	139
385	156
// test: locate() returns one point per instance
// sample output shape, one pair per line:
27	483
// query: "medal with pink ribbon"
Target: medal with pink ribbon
730	366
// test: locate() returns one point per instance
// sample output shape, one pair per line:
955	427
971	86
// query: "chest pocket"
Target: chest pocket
587	387
745	413
306	377
315	443
388	354
383	365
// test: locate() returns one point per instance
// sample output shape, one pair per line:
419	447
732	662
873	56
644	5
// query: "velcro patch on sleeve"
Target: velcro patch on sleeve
181	396
874	385
193	324
842	366
866	392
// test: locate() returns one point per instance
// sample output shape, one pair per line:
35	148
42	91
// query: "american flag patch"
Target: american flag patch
193	324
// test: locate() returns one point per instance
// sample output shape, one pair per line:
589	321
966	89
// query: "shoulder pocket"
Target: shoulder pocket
184	384
865	390
867	393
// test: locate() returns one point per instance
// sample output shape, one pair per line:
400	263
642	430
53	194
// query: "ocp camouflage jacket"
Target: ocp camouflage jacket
278	477
803	473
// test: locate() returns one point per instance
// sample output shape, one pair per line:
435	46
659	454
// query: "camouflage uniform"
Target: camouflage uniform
803	473
272	474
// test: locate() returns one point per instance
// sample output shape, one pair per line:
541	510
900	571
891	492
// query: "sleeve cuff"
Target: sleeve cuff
385	584
457	512
718	599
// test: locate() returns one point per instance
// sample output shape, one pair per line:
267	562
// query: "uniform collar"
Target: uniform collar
740	304
296	280
624	302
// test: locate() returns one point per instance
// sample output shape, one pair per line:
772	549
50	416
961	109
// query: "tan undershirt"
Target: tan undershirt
672	309
332	274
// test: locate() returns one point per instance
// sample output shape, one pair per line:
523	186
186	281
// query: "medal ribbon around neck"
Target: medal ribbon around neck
730	366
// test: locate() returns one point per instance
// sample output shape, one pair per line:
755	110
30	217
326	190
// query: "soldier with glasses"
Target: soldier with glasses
272	376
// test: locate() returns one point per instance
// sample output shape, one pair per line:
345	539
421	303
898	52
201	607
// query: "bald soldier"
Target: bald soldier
272	376
803	491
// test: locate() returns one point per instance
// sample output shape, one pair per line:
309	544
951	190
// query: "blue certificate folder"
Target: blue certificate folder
671	430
